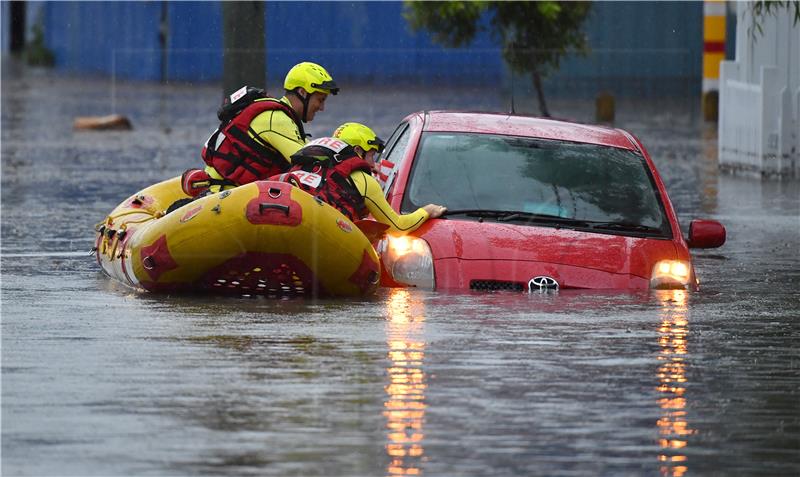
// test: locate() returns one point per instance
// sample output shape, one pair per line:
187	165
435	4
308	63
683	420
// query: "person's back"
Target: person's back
323	168
242	149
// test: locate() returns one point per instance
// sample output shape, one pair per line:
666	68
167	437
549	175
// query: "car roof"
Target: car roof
526	126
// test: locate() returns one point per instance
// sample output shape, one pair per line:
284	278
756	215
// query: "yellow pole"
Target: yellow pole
713	54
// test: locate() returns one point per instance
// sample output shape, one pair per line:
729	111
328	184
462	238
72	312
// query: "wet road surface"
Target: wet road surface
100	380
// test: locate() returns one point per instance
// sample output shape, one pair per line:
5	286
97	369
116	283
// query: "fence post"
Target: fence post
244	35
713	53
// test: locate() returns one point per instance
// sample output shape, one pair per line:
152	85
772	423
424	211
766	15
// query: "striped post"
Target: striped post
713	54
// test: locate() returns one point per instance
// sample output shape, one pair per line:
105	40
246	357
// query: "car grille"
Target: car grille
491	285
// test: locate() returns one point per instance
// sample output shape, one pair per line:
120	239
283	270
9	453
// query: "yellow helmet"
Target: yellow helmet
311	77
357	134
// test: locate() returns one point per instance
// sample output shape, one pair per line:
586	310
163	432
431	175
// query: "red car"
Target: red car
533	204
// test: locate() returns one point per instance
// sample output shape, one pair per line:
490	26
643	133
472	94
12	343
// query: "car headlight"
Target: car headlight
408	260
671	274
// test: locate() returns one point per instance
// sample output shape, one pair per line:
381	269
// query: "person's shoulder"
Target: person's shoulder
275	106
275	119
361	172
282	116
365	178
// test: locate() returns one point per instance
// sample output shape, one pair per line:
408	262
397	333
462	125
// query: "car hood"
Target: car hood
473	240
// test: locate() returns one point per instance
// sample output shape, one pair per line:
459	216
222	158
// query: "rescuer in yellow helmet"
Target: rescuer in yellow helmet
258	134
338	170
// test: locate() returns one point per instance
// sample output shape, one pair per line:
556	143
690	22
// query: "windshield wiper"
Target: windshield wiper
624	226
475	212
518	216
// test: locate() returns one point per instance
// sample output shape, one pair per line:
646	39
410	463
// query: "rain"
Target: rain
102	379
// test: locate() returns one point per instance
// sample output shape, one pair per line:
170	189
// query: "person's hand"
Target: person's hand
434	210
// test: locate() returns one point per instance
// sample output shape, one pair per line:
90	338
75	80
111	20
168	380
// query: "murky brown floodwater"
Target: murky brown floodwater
100	380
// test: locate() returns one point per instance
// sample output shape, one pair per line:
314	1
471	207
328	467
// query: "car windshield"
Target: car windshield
529	180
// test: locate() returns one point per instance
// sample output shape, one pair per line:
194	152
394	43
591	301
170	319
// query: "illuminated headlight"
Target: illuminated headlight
408	260
671	274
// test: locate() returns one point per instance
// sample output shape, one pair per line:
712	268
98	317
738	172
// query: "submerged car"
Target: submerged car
533	204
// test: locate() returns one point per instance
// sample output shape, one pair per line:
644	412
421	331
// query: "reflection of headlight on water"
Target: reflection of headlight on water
408	260
670	274
673	337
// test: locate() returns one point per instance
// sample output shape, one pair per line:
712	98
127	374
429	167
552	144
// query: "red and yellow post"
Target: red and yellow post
713	54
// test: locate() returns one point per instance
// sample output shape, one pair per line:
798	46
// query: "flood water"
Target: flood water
100	380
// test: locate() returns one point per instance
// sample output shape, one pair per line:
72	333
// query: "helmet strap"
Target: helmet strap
305	107
304	101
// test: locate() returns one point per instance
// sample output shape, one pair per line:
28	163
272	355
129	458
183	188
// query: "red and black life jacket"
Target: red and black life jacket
236	155
323	167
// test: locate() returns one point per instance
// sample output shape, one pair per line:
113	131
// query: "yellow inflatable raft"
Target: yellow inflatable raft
263	238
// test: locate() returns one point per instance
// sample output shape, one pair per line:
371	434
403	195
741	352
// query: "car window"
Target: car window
502	173
391	157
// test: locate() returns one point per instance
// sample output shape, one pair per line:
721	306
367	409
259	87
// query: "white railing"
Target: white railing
759	120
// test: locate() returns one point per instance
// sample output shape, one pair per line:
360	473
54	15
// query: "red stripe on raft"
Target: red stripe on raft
714	47
367	276
156	259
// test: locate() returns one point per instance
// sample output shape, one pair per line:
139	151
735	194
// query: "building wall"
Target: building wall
652	44
637	49
114	38
5	39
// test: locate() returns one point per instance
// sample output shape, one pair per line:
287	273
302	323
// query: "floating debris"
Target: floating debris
103	123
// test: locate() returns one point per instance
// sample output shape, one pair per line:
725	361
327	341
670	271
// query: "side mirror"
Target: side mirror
706	234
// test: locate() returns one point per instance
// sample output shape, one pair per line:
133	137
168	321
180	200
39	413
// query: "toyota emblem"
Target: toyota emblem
542	284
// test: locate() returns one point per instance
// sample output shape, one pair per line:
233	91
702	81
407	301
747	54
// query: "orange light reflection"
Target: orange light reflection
405	389
672	341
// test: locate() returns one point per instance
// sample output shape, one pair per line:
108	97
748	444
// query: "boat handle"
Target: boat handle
281	207
148	262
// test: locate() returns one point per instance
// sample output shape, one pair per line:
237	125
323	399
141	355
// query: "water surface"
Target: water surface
98	379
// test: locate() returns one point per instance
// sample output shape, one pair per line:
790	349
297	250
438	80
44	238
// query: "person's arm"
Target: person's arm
369	188
278	129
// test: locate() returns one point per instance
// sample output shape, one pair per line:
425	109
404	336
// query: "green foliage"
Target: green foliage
761	8
452	24
533	35
36	51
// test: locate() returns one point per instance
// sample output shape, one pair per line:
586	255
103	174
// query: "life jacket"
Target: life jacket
240	157
322	168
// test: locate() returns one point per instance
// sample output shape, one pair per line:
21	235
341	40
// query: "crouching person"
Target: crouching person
257	134
338	170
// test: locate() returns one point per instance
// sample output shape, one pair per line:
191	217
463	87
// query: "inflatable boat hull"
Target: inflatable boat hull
263	238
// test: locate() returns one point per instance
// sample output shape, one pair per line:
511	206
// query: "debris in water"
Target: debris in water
103	123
